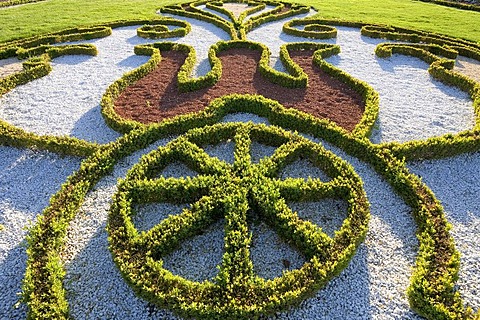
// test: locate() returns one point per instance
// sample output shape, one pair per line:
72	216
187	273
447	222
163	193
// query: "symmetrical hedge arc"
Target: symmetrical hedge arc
237	28
431	292
437	50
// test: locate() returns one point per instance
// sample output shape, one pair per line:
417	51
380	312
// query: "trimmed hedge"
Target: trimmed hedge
8	49
229	191
313	28
431	291
441	69
237	28
159	29
189	10
295	79
10	3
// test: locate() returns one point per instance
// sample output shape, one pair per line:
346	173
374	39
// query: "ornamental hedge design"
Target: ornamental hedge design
231	190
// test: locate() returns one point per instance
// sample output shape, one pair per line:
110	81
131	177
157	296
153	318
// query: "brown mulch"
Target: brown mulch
156	97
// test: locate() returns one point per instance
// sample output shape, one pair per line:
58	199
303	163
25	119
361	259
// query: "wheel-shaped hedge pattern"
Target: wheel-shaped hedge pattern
230	191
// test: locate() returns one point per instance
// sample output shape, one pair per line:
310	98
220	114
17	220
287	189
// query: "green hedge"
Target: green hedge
431	291
190	11
9	3
441	69
296	78
471	49
237	28
313	28
159	29
8	49
230	192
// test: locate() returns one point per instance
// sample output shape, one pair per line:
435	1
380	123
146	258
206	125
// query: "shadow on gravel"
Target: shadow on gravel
92	127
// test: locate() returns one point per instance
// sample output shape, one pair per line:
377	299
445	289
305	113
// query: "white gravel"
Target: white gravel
27	180
456	183
371	287
412	104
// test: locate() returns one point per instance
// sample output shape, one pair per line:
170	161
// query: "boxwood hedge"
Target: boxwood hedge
431	292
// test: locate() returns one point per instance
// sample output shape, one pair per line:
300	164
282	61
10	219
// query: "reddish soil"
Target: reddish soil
156	97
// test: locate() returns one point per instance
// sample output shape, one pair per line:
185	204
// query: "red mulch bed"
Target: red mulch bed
156	97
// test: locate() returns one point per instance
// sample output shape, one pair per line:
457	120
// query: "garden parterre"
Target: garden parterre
235	288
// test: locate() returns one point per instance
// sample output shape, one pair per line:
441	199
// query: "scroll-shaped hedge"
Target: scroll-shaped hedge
237	28
469	49
189	10
159	29
313	28
441	69
455	4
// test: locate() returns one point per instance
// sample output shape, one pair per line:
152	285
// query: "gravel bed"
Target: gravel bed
27	180
456	183
412	104
372	286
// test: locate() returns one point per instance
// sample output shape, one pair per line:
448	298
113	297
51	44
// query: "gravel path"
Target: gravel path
371	287
10	66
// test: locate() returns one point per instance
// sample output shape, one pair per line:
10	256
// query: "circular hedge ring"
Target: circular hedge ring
229	191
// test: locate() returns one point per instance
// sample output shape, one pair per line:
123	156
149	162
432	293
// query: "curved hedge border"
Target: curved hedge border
39	66
230	191
313	28
454	4
159	29
39	52
237	22
8	49
189	10
236	27
466	48
296	79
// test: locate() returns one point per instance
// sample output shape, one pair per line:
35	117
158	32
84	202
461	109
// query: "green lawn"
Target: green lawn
53	15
